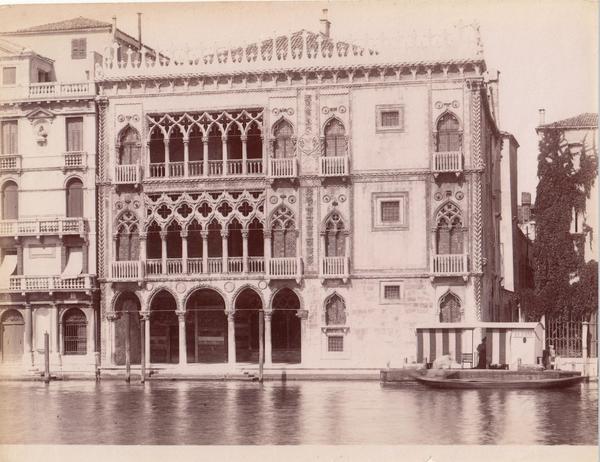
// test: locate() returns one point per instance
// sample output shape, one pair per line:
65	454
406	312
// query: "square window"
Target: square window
9	75
78	48
390	211
335	343
389	117
391	292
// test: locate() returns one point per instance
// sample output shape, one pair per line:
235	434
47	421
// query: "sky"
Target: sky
546	50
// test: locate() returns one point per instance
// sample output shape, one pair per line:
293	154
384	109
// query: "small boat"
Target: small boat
498	380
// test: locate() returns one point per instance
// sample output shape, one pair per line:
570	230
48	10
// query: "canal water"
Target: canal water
309	412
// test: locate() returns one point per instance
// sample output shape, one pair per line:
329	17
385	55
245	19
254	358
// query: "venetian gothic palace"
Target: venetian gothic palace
349	193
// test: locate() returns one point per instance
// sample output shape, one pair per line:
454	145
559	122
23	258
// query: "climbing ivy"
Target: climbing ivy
563	282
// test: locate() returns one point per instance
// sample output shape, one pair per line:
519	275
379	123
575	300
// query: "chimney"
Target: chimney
325	24
140	30
525	207
114	26
542	116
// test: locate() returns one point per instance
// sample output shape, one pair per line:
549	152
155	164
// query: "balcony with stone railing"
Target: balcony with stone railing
128	174
334	166
447	162
74	160
10	163
449	265
47	226
285	268
286	167
49	90
127	271
54	283
335	268
210	168
211	266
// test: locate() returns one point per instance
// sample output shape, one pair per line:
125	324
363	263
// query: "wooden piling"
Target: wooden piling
46	357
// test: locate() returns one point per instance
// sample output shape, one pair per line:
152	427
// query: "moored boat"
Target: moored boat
500	379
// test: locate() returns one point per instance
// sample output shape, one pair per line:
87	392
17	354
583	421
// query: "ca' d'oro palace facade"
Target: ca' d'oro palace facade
348	193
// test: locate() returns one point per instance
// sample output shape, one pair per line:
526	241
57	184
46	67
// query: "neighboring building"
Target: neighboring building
581	133
526	218
349	195
47	182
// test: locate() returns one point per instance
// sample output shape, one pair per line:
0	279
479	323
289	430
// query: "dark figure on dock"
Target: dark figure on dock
481	353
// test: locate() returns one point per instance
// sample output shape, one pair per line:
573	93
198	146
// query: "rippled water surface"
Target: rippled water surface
113	412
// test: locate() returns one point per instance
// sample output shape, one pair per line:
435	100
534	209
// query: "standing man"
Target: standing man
481	353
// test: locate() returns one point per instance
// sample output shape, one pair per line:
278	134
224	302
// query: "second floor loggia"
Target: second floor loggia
216	145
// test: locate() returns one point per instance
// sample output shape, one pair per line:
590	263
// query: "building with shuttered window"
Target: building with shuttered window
47	184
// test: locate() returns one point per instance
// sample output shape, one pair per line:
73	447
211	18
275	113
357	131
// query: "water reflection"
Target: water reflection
113	412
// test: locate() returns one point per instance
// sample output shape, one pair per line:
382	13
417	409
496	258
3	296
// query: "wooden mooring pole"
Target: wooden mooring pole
143	350
46	357
261	344
127	349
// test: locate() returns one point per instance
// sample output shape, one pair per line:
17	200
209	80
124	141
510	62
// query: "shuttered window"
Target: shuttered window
75	198
9	137
10	201
78	48
75	134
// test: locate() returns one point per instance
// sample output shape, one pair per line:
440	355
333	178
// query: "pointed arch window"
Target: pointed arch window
129	147
449	232
335	326
335	311
283	226
128	239
335	138
283	145
450	308
335	237
448	136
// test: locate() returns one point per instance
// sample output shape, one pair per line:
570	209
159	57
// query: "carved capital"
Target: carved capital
180	315
162	234
302	314
204	234
224	233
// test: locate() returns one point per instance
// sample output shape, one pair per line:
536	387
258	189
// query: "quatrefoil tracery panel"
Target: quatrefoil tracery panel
200	210
449	216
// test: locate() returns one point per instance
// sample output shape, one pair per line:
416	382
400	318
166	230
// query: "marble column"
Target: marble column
268	346
205	155
267	250
182	339
231	337
186	156
145	316
111	339
304	341
224	147
163	248
28	335
244	139
245	251
224	235
167	158
184	250
204	235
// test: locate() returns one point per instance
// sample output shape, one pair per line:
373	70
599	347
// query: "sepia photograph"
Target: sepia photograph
303	230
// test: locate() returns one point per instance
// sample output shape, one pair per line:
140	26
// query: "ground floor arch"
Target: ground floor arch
248	306
127	328
286	327
164	329
75	332
12	331
206	328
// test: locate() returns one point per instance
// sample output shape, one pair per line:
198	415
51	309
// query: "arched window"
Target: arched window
335	139
335	311
129	149
128	239
335	239
449	233
450	310
283	145
10	201
448	134
284	233
75	198
75	332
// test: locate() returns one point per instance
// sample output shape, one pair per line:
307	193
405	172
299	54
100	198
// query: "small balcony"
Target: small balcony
447	162
74	160
58	226
333	166
283	168
10	163
128	174
285	268
449	265
48	283
335	268
125	271
210	168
